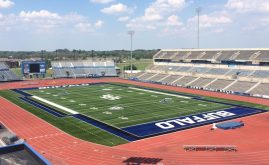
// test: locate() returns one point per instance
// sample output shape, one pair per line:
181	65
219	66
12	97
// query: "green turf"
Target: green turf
70	125
138	106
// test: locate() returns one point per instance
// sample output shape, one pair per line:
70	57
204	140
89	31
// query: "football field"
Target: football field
117	113
122	106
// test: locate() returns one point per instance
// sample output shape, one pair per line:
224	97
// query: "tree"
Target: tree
128	67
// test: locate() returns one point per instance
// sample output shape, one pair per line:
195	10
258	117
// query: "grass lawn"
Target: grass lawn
141	64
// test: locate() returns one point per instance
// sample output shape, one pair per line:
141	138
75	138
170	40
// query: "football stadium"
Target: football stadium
184	106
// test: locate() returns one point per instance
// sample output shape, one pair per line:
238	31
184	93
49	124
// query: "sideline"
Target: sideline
163	93
56	105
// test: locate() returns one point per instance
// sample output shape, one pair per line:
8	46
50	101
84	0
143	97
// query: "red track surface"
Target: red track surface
252	140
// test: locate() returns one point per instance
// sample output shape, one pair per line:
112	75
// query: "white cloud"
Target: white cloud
102	1
208	21
123	19
115	9
6	3
156	12
84	27
242	6
160	8
39	14
173	20
99	24
46	21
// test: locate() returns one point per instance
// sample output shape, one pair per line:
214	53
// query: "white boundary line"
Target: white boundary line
56	105
167	94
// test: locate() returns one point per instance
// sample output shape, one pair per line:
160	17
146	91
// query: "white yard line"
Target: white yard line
56	105
163	93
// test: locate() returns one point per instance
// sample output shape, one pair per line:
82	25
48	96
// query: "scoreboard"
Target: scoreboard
33	67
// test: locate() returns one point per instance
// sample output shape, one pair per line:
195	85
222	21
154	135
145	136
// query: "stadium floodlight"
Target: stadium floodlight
131	33
198	11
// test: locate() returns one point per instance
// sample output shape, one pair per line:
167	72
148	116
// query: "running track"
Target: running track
251	140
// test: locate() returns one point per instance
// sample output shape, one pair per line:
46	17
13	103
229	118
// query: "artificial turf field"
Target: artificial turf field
133	107
122	106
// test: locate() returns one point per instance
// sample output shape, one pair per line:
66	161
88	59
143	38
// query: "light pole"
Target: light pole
198	11
131	33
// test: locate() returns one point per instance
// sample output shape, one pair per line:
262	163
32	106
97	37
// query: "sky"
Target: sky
31	25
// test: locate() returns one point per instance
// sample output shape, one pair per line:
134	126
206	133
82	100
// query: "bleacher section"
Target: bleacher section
75	69
261	89
214	55
219	84
238	71
184	80
241	86
201	82
170	79
6	74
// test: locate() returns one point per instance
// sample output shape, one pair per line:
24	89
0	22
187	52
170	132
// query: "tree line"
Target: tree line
65	54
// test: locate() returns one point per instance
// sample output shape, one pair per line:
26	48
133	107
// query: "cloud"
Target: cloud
160	8
6	3
115	9
84	27
173	20
243	6
39	14
102	1
99	24
123	19
46	21
155	13
208	21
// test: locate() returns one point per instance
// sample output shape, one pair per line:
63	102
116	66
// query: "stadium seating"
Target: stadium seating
146	76
263	55
170	79
157	77
218	71
210	55
201	82
245	55
73	69
240	71
261	73
261	89
184	80
6	74
219	84
241	86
